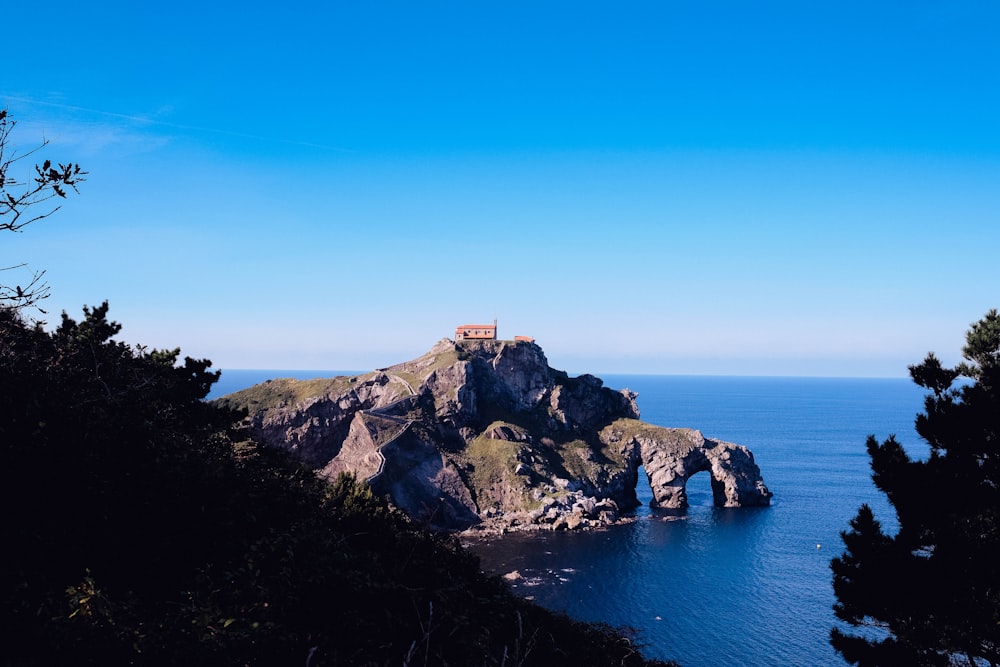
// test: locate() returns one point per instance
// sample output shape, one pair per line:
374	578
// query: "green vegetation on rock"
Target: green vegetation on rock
283	391
492	465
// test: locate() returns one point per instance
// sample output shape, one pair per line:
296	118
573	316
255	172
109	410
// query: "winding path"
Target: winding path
381	414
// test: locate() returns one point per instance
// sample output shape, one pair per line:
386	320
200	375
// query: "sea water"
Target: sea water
726	587
747	586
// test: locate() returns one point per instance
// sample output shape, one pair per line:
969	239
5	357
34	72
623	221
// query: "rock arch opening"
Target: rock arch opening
700	489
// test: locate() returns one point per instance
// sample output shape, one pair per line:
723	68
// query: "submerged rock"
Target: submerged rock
486	434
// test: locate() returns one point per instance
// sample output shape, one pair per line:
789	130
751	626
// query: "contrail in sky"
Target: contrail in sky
195	128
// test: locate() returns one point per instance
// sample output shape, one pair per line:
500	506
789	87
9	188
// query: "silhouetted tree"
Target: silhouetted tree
24	202
930	594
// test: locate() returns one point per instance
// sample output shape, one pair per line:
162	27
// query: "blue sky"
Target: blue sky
769	188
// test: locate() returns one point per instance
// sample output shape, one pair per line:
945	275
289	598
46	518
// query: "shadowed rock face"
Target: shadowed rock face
485	433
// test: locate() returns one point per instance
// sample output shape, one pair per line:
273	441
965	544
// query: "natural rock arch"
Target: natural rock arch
671	457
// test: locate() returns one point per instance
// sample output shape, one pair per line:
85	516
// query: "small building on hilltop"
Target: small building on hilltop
476	332
484	332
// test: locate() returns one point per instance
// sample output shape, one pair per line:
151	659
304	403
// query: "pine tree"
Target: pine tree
930	594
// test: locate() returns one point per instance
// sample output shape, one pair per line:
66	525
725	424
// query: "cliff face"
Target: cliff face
485	433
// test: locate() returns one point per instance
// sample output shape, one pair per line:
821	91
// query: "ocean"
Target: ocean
746	587
733	587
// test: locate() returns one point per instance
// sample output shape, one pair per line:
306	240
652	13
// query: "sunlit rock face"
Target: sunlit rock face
671	456
485	433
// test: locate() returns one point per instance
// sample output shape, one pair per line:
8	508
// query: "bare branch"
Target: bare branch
19	205
18	296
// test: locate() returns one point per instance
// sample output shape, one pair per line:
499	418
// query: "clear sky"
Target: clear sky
771	188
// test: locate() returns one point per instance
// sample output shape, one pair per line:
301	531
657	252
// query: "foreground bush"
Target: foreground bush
141	530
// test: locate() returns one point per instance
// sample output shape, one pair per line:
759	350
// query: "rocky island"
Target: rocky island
482	433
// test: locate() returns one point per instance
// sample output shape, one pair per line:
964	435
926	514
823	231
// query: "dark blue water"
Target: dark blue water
721	587
737	586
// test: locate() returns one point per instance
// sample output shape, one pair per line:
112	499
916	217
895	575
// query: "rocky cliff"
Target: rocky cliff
485	433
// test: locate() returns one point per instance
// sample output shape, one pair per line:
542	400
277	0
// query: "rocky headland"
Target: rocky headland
484	434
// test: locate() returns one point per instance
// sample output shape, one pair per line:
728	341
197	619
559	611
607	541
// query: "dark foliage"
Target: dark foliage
930	595
139	529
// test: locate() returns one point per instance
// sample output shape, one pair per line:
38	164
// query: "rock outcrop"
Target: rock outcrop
671	456
485	433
